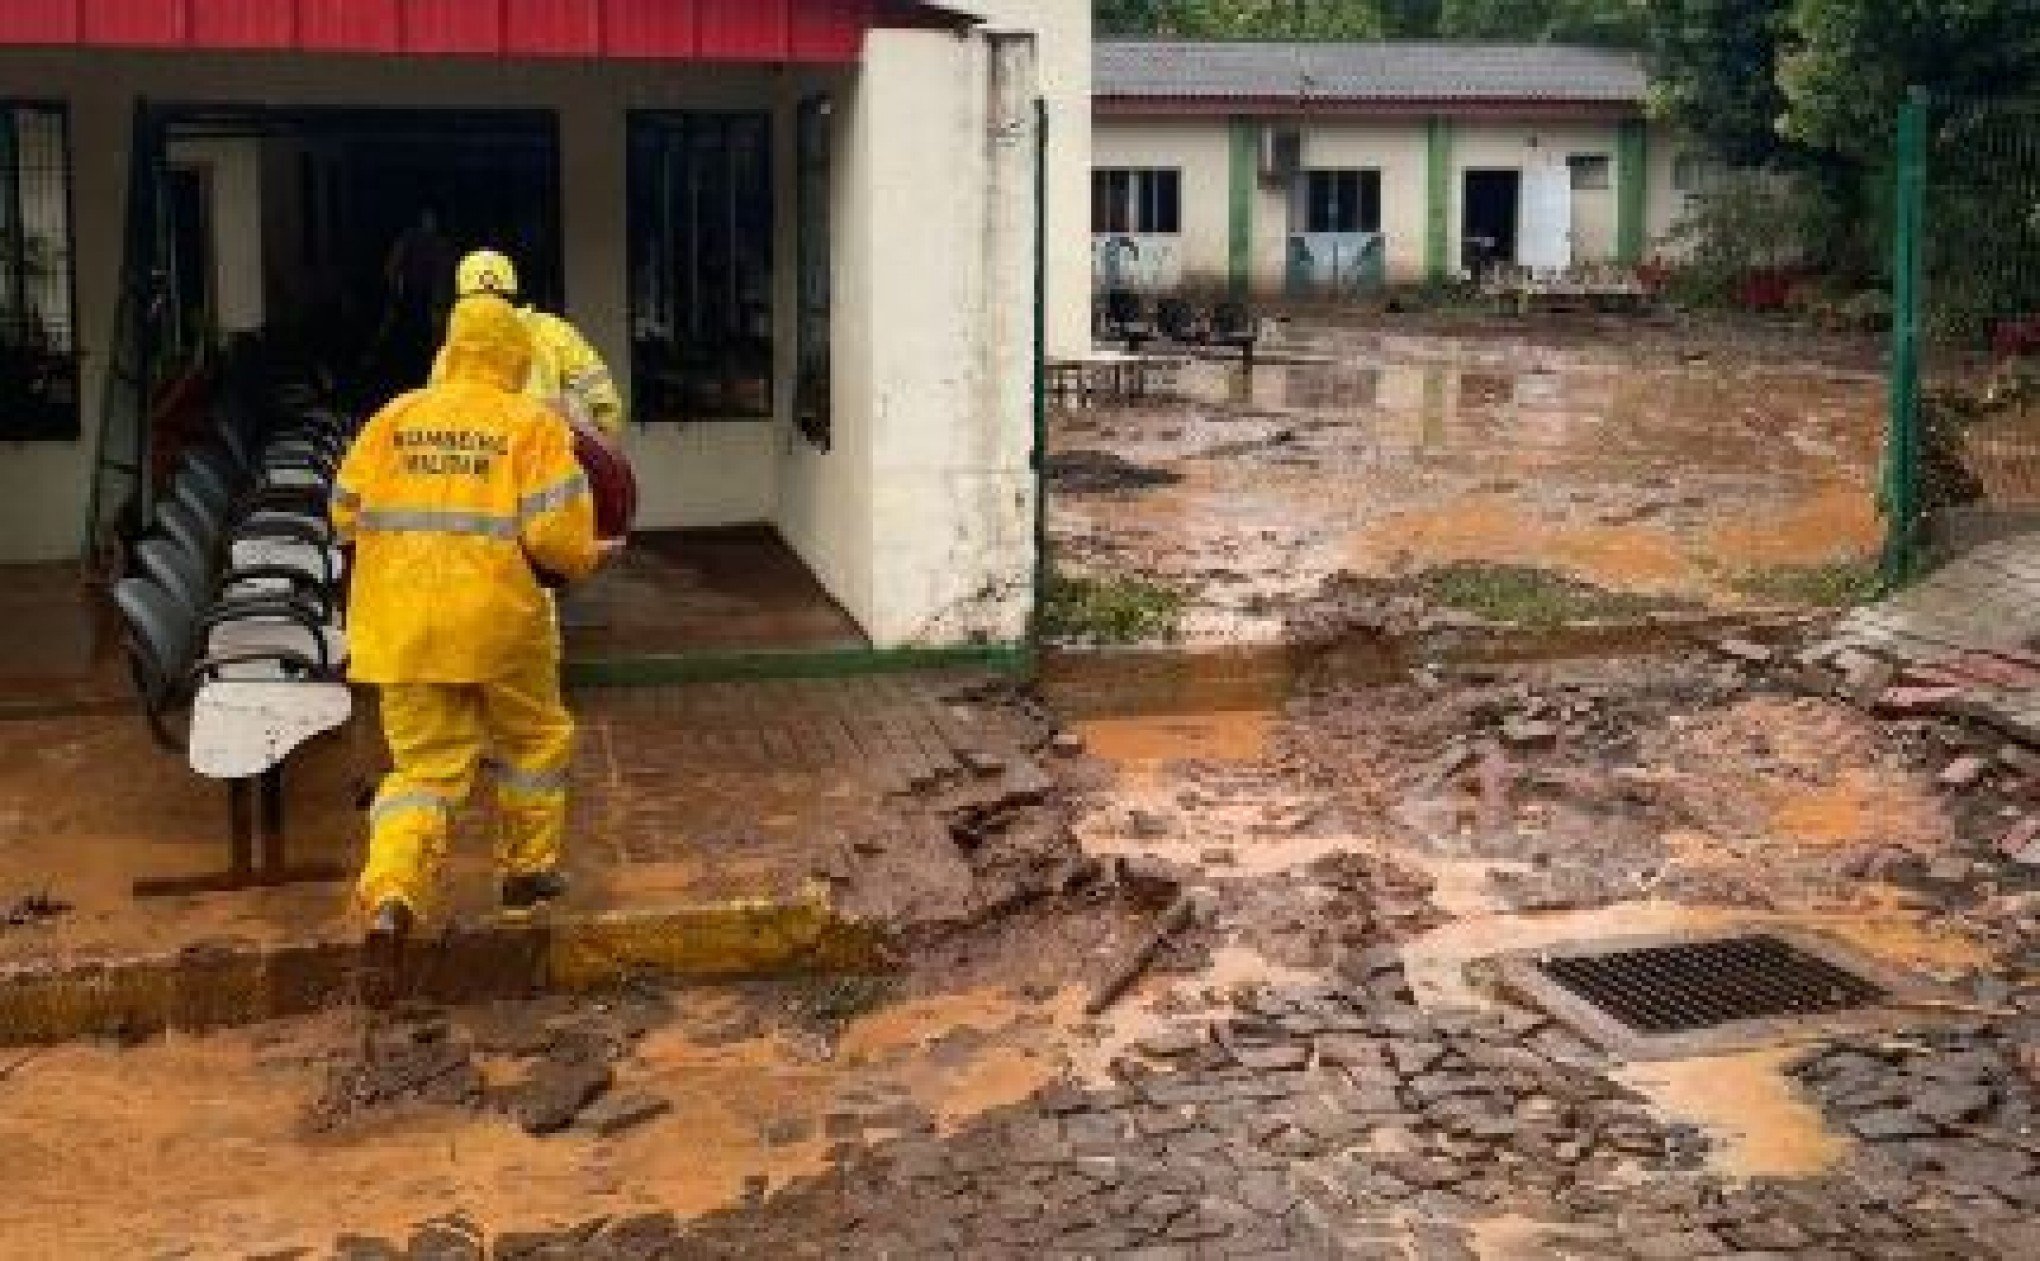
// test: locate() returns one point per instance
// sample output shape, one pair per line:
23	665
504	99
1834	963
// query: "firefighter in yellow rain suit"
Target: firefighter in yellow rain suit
456	498
566	373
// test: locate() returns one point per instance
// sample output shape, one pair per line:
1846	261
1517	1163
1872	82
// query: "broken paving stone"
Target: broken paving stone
981	762
1273	1059
1962	773
1892	1125
1147	826
1906	702
2021	842
786	1131
553	1096
1529	733
1412	1058
1951	1103
447	1239
1744	651
1174	1042
624	1110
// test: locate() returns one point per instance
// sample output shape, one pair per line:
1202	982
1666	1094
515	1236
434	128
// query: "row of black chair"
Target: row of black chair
233	605
1129	317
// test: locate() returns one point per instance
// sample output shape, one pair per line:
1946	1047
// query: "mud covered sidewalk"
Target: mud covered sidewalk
1323	1060
1652	463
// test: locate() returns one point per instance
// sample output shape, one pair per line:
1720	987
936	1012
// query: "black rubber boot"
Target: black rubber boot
383	954
531	891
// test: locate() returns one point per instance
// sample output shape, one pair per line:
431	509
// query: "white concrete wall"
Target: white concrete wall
1668	204
234	169
1063	67
920	516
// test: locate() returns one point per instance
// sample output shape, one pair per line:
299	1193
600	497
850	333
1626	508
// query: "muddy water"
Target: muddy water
1649	475
1761	1124
210	1157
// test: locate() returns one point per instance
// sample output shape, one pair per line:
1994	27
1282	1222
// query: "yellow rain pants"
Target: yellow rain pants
437	734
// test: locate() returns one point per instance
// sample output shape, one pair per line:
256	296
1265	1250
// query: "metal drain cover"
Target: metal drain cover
1659	998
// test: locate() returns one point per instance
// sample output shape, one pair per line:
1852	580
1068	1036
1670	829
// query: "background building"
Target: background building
1306	167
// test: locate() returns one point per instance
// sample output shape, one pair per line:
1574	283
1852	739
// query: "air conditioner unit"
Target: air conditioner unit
1281	155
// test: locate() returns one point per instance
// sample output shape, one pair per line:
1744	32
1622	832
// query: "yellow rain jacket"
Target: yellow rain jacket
566	374
452	495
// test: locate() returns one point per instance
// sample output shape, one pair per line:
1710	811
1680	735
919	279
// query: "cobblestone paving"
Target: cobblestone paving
1340	1121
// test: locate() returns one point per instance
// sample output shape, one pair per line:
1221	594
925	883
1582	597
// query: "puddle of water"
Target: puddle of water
1762	1126
1418	449
1222	736
223	1112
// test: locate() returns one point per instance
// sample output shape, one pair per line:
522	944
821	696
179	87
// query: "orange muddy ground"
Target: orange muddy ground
1638	466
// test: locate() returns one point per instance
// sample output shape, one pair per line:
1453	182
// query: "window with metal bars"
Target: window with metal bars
38	333
1144	202
701	222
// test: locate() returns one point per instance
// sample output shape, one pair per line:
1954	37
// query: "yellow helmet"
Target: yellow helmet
486	271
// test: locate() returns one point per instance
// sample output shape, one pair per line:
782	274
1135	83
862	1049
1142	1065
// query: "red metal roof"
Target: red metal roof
681	30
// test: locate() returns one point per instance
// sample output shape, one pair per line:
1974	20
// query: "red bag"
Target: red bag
611	481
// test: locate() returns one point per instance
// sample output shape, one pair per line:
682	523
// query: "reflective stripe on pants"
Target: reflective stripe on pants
438	736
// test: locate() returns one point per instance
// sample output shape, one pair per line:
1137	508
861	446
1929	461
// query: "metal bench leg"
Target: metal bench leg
243	869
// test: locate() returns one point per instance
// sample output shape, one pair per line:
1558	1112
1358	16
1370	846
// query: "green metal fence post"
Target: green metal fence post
1902	445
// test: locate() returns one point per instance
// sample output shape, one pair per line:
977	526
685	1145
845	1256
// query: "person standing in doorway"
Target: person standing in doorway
463	500
418	294
566	373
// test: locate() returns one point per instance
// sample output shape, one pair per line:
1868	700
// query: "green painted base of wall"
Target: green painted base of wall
837	663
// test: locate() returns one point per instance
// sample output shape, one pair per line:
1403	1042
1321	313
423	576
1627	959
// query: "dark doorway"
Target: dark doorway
1492	204
364	213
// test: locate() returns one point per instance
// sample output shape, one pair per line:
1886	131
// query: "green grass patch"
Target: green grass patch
1523	595
1832	585
1120	609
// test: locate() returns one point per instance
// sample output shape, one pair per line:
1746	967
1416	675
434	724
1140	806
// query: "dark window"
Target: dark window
811	379
700	265
1591	172
38	338
1342	202
1137	202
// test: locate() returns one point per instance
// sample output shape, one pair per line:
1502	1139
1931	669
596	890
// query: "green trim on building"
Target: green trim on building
1438	199
1245	174
1632	183
827	663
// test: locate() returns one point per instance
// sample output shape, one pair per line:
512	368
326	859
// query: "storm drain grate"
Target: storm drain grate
1685	987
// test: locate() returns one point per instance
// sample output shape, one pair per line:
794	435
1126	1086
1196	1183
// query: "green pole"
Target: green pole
1438	199
1040	454
1246	161
1902	443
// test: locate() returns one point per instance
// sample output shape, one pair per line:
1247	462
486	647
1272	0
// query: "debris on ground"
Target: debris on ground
1102	472
32	909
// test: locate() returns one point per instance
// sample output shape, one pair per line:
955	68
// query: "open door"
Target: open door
1546	242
